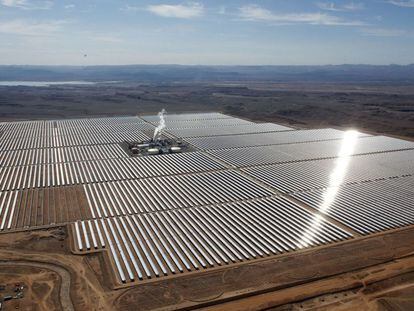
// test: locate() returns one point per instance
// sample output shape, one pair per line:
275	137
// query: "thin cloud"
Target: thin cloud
14	3
383	32
404	4
28	5
31	28
189	10
108	39
257	13
328	6
222	10
69	6
130	8
352	6
331	6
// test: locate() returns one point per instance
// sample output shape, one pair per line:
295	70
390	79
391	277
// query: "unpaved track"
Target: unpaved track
64	292
81	289
260	285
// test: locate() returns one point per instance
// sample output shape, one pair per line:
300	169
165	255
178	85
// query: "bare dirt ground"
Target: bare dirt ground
48	251
45	284
379	108
374	273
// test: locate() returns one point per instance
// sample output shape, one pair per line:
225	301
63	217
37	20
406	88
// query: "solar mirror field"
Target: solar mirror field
209	192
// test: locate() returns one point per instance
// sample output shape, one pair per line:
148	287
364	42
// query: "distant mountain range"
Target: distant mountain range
180	73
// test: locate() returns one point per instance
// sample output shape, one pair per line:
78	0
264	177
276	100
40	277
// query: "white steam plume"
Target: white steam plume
161	126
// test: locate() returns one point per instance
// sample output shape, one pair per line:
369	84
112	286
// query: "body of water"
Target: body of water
43	83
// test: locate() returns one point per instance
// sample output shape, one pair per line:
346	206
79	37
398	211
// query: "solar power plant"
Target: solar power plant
367	207
262	155
263	139
193	117
227	130
305	175
243	192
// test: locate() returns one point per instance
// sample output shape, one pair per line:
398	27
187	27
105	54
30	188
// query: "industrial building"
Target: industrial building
242	191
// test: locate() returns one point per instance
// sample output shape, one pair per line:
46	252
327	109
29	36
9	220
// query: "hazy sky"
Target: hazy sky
206	32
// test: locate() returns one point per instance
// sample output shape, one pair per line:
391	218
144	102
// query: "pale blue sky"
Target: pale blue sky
273	32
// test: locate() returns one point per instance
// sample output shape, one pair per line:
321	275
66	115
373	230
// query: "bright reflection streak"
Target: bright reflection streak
335	179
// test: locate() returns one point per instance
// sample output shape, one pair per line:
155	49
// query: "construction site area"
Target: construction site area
203	211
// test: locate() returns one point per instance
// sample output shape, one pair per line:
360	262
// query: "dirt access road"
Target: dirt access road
373	273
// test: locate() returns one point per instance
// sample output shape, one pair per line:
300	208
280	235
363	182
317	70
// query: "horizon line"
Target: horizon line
215	65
